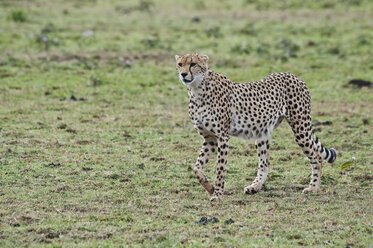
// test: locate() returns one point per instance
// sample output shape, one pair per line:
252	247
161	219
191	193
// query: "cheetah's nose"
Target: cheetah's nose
183	74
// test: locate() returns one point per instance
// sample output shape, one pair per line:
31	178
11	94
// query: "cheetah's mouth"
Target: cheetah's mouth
186	81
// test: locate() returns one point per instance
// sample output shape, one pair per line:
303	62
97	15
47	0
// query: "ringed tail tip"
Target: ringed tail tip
333	155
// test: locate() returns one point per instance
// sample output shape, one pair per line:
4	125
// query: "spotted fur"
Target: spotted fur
220	108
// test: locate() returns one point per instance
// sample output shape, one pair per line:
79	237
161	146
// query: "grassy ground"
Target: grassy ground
114	168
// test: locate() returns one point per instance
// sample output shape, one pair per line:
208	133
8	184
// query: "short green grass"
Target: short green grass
115	169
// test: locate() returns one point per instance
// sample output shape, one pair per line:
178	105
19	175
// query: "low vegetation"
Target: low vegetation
96	147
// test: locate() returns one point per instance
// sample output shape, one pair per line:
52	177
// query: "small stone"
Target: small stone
196	19
141	166
62	126
202	221
228	222
53	164
213	220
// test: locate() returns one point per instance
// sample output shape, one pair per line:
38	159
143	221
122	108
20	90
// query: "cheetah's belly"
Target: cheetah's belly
252	130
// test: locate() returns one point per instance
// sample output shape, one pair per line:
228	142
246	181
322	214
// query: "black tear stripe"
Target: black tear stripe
190	70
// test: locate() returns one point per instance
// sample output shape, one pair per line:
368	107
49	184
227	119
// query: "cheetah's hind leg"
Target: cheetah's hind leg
305	140
262	148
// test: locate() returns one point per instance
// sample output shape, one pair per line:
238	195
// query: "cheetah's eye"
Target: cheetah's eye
180	64
192	64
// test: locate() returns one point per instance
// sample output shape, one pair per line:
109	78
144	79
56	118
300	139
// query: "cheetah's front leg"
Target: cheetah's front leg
223	147
208	148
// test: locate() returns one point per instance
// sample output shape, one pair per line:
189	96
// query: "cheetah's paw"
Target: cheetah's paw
310	190
216	198
253	189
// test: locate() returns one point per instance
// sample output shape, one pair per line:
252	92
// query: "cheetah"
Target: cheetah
220	108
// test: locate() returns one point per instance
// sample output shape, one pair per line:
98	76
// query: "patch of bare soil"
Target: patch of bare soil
359	83
99	58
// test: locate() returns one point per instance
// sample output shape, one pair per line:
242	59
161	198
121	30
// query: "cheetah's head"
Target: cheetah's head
191	68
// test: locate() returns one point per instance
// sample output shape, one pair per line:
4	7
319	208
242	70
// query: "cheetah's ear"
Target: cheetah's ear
205	58
177	57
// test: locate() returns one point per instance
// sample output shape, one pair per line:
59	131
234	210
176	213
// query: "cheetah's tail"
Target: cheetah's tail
329	155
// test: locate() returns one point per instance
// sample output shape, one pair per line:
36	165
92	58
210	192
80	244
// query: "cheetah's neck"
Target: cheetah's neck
197	89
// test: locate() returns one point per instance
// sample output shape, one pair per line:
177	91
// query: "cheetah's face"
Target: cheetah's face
191	68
